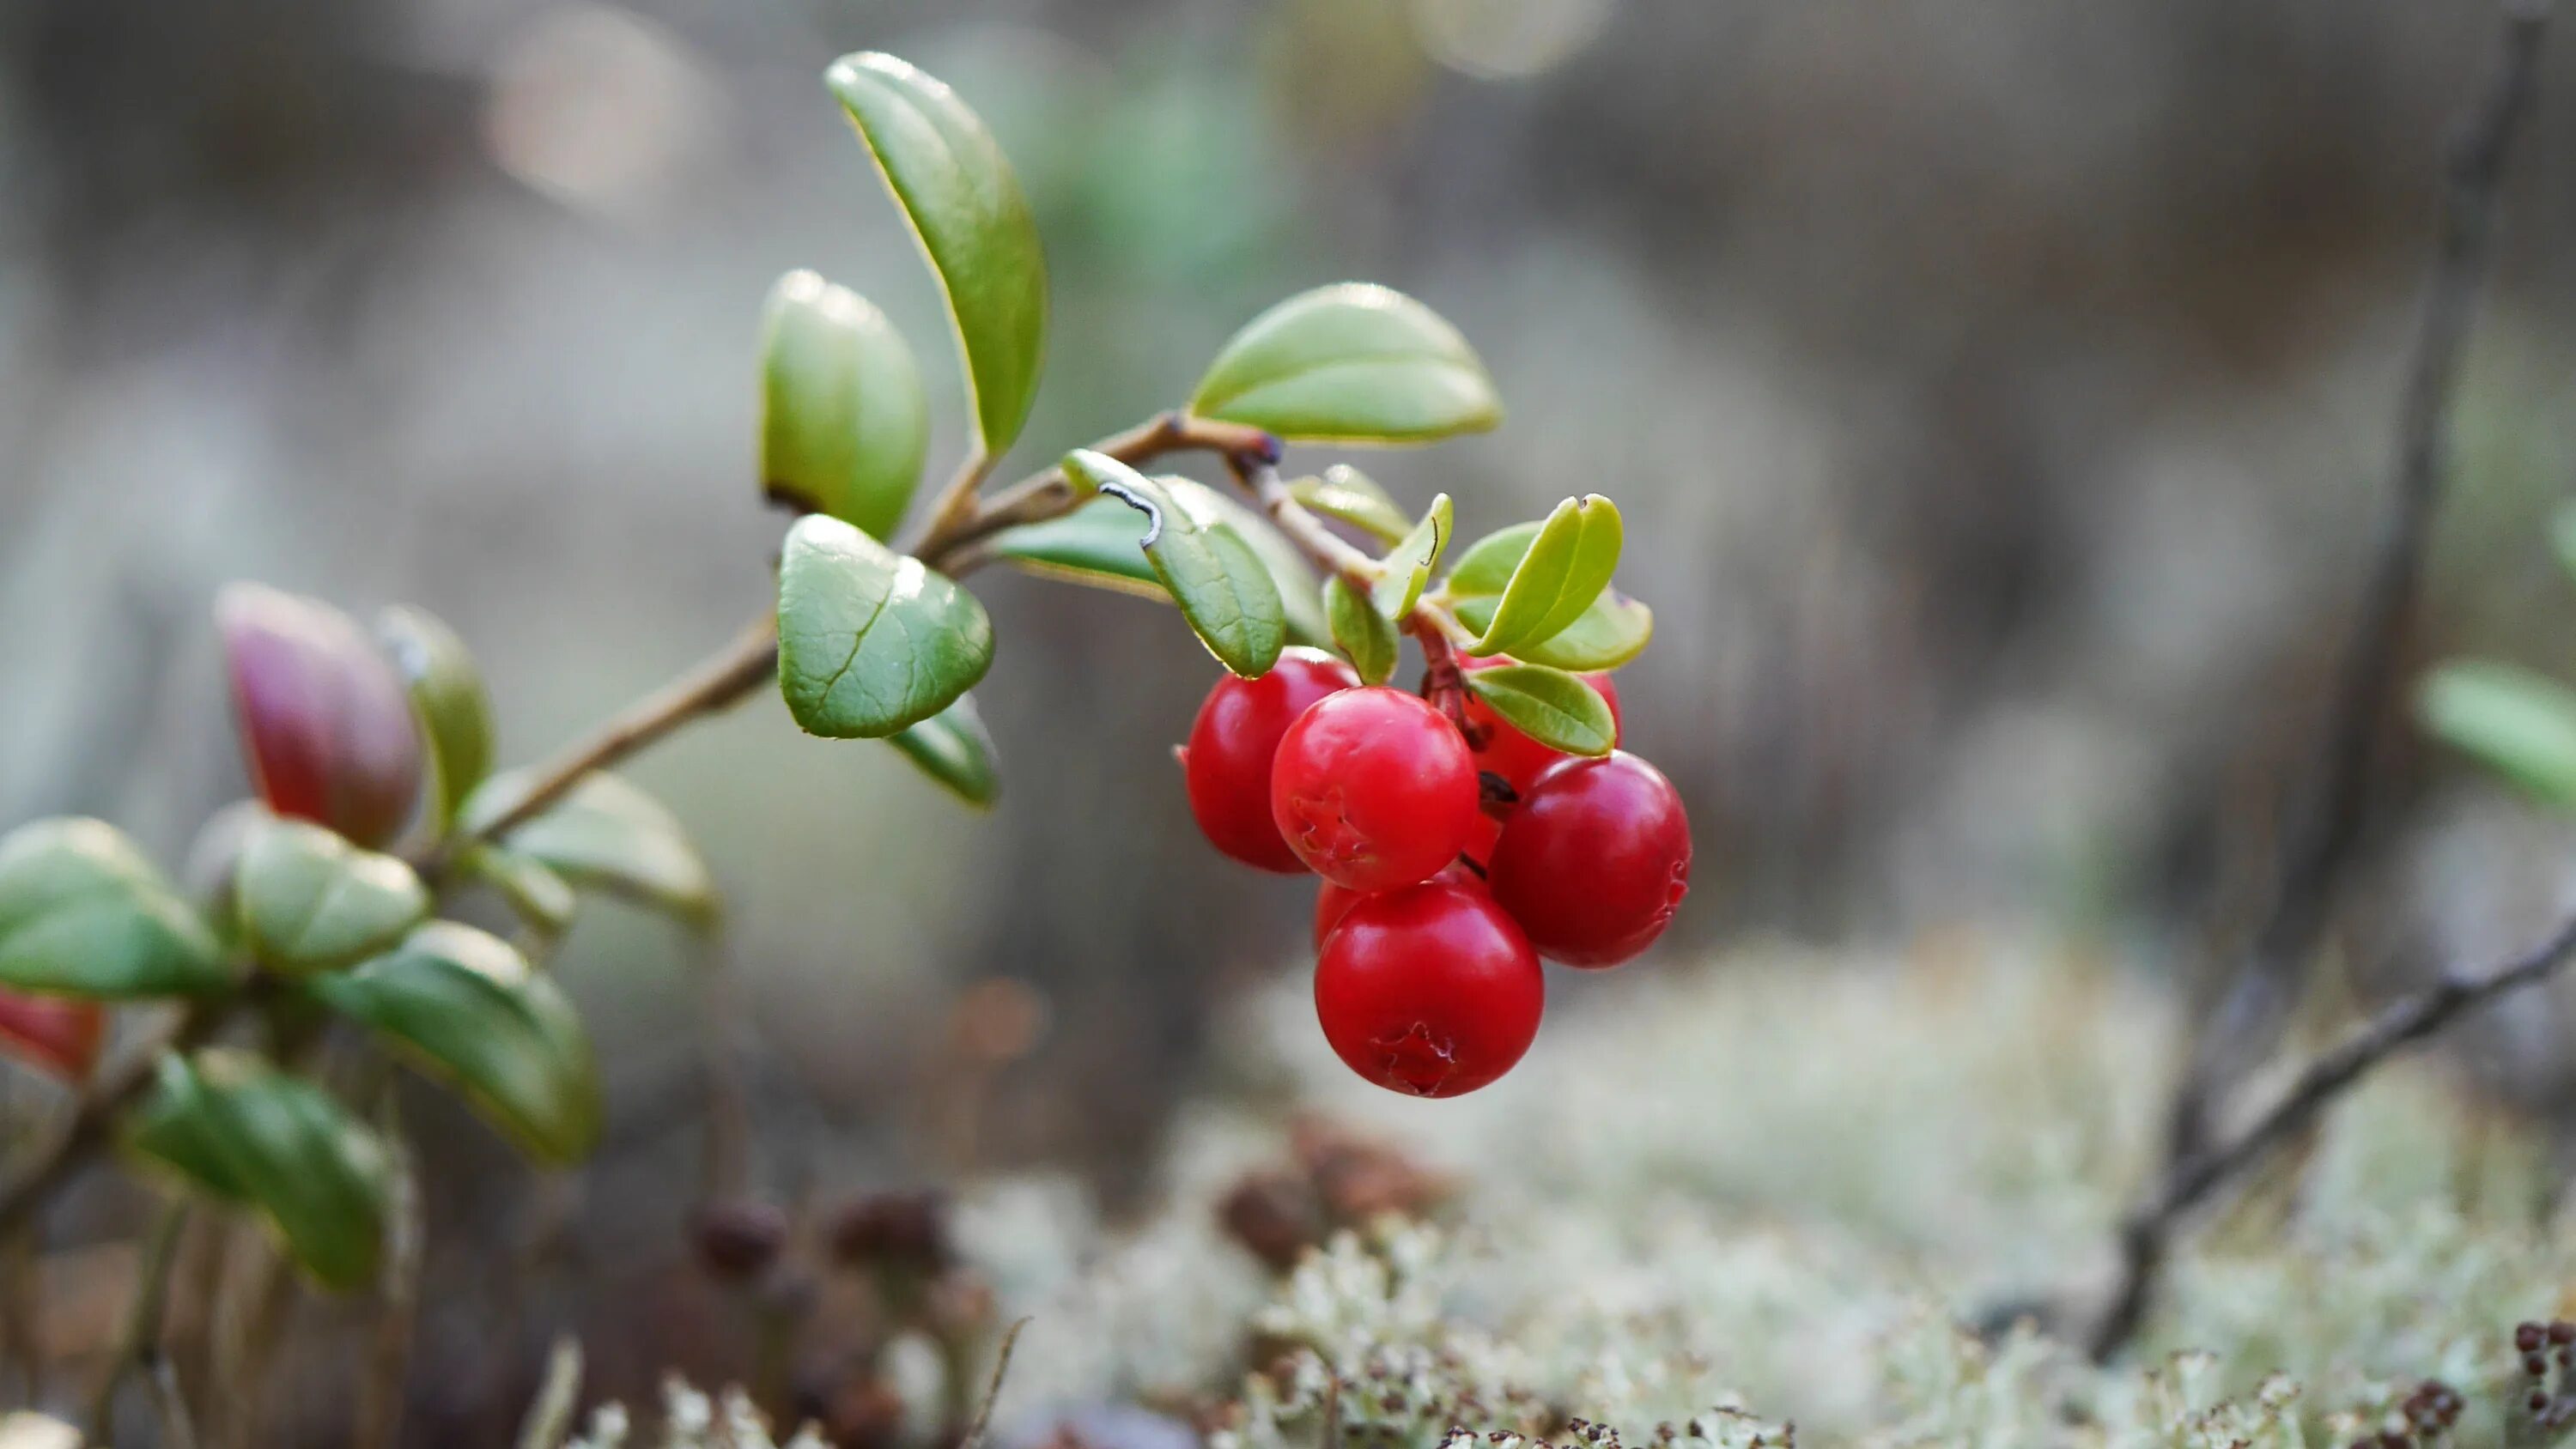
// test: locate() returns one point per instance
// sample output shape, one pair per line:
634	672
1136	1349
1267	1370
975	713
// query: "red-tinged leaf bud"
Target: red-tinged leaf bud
326	727
58	1034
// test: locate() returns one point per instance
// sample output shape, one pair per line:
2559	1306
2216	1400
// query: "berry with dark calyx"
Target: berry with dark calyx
1430	991
1595	859
1507	752
1227	761
1374	789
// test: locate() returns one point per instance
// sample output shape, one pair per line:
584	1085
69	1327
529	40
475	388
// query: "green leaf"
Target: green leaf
1350	363
1553	707
1567	566
1346	494
2521	724
467	1008
966	208
869	641
843	424
84	913
953	748
1096	545
606	835
1614	630
1223	588
538	894
1486	566
307	900
1364	635
1409	563
447	694
2562	537
238	1128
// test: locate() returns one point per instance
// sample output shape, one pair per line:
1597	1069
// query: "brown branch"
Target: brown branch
2319	843
2409	1020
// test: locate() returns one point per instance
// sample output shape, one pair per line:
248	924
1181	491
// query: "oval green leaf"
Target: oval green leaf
306	900
1364	635
467	1008
869	641
235	1127
1485	568
84	913
1613	631
1350	363
843	423
1566	567
2519	723
953	748
447	695
605	835
1096	545
1410	562
966	208
1223	587
1553	707
1347	495
537	894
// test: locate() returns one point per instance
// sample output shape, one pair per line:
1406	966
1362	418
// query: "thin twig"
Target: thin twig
140	1345
380	1397
2319	843
549	1420
1300	526
87	1128
992	1390
2409	1020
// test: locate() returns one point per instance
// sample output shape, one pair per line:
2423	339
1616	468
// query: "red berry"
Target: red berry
1374	789
1430	991
1595	859
1513	755
1333	902
1227	763
57	1033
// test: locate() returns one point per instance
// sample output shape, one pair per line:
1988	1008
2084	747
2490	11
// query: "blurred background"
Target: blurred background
2006	396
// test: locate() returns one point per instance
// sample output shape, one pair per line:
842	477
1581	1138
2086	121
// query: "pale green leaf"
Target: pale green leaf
307	900
1223	587
2519	723
1364	635
1566	567
953	748
447	695
1613	631
84	913
1349	496
605	834
843	423
467	1008
950	179
1410	562
1351	363
1557	709
237	1128
870	642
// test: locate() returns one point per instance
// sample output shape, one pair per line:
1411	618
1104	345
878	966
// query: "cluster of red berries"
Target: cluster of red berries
1452	859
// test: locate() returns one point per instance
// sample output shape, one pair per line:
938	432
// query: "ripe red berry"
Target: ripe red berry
1374	789
1430	990
1513	755
1227	762
1595	859
1333	902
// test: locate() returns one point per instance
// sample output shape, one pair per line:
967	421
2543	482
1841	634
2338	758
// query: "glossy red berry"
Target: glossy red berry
1227	762
1595	859
1513	755
1374	789
1430	990
1333	902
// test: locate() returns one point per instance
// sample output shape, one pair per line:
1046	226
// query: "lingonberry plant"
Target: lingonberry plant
307	948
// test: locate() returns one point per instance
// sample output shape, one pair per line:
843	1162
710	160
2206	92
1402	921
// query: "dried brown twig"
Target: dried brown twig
2320	841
